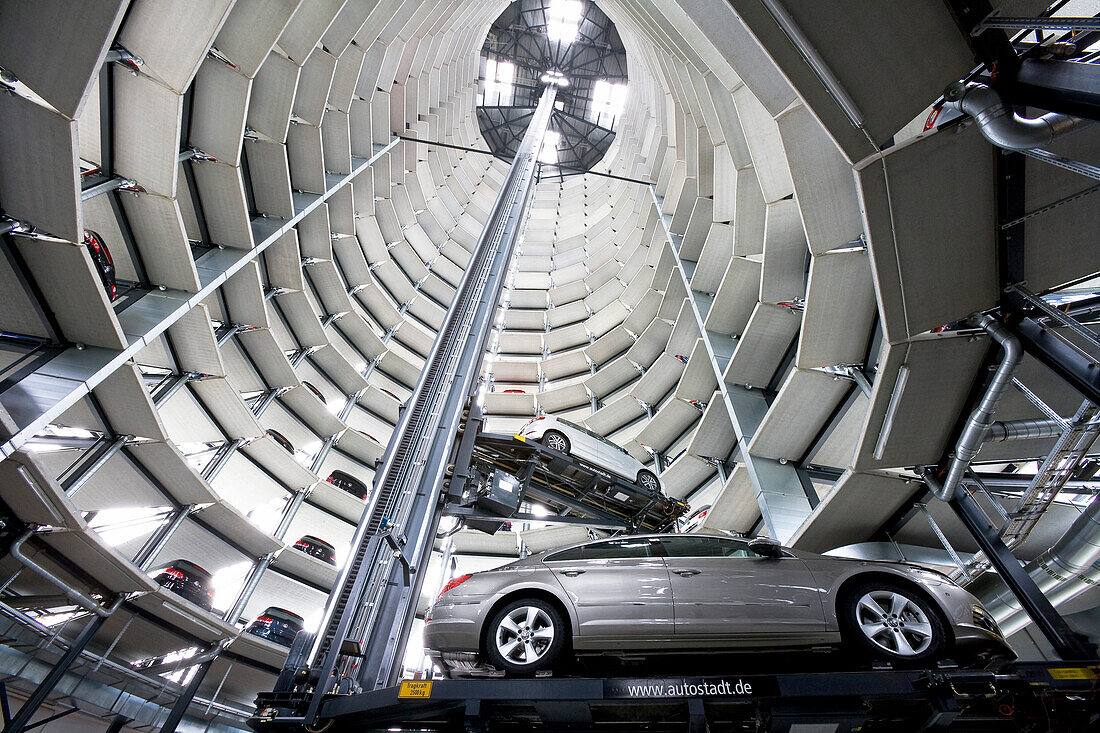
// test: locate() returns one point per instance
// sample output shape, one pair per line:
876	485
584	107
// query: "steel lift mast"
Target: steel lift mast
370	612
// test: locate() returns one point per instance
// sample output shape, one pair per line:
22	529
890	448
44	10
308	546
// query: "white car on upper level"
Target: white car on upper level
573	440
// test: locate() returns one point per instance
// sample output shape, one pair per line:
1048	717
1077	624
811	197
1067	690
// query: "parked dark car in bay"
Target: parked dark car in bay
690	593
276	624
186	579
348	483
316	547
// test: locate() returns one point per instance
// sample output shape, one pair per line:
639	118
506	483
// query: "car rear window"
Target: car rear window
191	568
284	616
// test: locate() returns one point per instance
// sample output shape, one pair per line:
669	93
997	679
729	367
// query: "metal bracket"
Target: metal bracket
397	544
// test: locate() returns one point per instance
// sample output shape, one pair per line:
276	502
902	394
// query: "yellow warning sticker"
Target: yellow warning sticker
520	437
1072	673
418	689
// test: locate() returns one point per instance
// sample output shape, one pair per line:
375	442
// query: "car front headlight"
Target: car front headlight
984	619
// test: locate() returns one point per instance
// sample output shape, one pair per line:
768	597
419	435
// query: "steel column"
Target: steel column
1065	642
184	700
370	612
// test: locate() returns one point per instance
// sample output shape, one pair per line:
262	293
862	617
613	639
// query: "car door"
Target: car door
720	587
619	461
581	444
620	588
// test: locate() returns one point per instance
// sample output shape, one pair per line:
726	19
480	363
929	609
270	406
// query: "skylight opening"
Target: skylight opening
563	20
499	83
608	100
120	525
549	152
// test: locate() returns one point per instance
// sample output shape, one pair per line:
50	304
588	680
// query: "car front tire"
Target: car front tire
649	483
525	636
554	440
891	621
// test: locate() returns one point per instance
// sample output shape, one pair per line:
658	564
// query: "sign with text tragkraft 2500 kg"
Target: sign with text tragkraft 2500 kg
719	687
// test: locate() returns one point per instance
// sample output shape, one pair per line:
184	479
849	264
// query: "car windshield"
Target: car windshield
597	436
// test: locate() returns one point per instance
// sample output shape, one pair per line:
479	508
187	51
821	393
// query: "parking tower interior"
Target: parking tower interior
285	283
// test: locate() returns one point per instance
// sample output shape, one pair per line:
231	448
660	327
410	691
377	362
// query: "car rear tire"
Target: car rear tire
891	621
525	636
554	440
649	483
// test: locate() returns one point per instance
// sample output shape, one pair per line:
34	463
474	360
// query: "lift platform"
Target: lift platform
508	470
1020	696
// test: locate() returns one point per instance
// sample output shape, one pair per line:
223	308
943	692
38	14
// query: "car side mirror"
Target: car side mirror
765	546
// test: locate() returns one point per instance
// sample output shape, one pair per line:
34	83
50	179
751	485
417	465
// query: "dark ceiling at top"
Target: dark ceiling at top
519	36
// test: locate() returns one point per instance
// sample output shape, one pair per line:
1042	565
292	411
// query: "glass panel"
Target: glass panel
698	546
573	553
616	549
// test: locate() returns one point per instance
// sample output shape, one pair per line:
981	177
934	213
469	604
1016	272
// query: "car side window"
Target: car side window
701	546
609	550
573	553
617	549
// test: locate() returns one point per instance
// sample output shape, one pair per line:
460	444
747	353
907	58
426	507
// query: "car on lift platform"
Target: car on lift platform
690	593
574	440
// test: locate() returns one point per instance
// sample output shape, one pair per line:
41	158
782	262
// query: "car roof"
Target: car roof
709	535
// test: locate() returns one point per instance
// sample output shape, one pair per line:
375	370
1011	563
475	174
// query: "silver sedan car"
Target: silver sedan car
683	592
574	440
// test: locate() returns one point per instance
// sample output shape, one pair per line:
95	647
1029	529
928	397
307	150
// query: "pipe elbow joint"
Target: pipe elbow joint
1003	127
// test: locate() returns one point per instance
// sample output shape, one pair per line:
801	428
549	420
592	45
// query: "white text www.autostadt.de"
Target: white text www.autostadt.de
691	689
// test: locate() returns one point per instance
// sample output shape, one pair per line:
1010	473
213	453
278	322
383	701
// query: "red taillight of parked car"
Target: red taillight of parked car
455	582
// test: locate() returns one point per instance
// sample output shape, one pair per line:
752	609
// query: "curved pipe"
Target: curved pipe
71	593
1003	127
1071	566
978	426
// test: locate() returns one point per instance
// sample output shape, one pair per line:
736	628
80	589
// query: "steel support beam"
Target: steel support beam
22	719
1065	642
785	501
86	368
1059	86
1081	371
184	700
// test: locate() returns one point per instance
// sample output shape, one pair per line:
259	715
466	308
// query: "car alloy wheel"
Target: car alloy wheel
893	622
525	636
556	441
649	482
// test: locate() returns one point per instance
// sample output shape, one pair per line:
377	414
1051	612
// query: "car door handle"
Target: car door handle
686	572
571	573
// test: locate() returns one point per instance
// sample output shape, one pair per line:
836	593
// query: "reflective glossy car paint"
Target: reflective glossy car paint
589	446
316	547
276	624
101	257
348	483
662	603
281	440
186	579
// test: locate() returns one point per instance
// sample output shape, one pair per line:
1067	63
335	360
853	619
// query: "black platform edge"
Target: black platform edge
1054	696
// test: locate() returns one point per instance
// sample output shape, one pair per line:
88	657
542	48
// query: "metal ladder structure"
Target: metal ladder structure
1075	441
370	613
